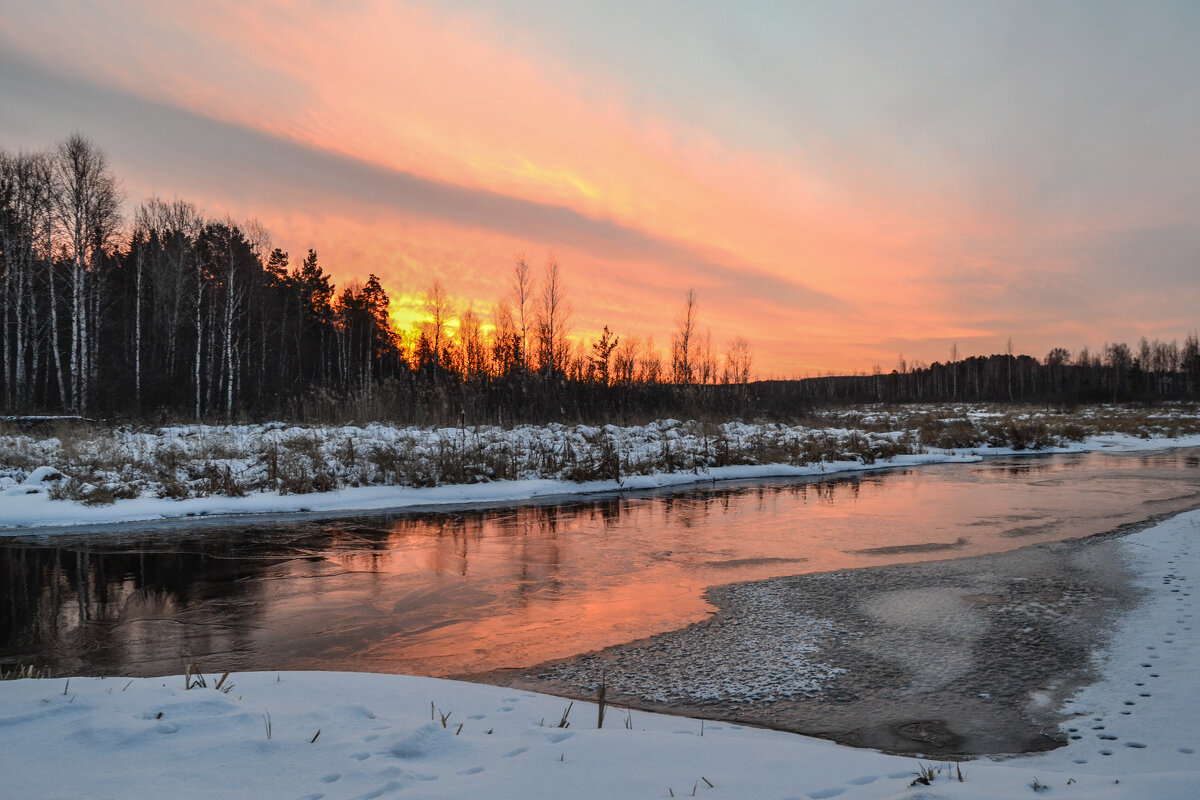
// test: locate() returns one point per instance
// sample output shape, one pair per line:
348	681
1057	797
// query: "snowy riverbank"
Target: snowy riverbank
104	476
1133	734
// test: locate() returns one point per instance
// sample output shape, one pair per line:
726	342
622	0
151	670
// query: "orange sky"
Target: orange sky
839	190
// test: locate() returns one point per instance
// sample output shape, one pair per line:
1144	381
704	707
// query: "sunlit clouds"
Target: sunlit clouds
839	186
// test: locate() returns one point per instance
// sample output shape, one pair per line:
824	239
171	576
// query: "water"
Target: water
457	593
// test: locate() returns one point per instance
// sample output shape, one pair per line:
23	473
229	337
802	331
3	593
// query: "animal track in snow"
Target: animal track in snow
390	786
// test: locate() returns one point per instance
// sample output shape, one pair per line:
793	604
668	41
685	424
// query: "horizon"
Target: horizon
844	187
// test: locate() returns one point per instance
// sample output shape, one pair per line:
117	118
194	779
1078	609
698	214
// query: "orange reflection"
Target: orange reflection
461	593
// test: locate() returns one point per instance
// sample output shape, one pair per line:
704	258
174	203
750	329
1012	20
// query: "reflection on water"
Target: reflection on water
451	593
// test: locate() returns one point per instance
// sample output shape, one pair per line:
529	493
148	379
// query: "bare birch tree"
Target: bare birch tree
553	323
522	297
683	343
87	207
439	310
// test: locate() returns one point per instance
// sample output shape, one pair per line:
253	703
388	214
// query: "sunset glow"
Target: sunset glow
842	185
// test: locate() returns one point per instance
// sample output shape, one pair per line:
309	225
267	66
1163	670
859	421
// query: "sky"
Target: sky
843	184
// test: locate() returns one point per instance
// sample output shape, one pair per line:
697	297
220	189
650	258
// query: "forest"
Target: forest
162	313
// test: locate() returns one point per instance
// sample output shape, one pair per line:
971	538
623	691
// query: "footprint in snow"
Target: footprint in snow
1106	752
516	752
316	796
1187	751
555	738
863	780
332	777
360	756
1136	745
371	738
900	774
390	786
471	771
826	793
476	716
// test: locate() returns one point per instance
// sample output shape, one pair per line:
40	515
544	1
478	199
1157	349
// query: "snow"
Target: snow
27	502
344	735
22	509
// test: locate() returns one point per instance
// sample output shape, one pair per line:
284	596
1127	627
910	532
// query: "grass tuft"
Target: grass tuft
601	703
562	723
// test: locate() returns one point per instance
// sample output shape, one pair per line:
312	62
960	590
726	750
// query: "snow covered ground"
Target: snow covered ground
121	475
1134	733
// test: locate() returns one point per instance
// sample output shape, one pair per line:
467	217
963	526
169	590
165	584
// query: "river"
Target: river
461	592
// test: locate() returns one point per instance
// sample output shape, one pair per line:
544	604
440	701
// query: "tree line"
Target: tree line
167	313
1154	371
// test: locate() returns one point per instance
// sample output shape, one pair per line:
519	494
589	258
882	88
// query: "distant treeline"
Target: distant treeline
1154	371
169	314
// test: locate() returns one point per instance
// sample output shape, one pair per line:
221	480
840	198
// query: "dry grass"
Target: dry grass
23	672
106	464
